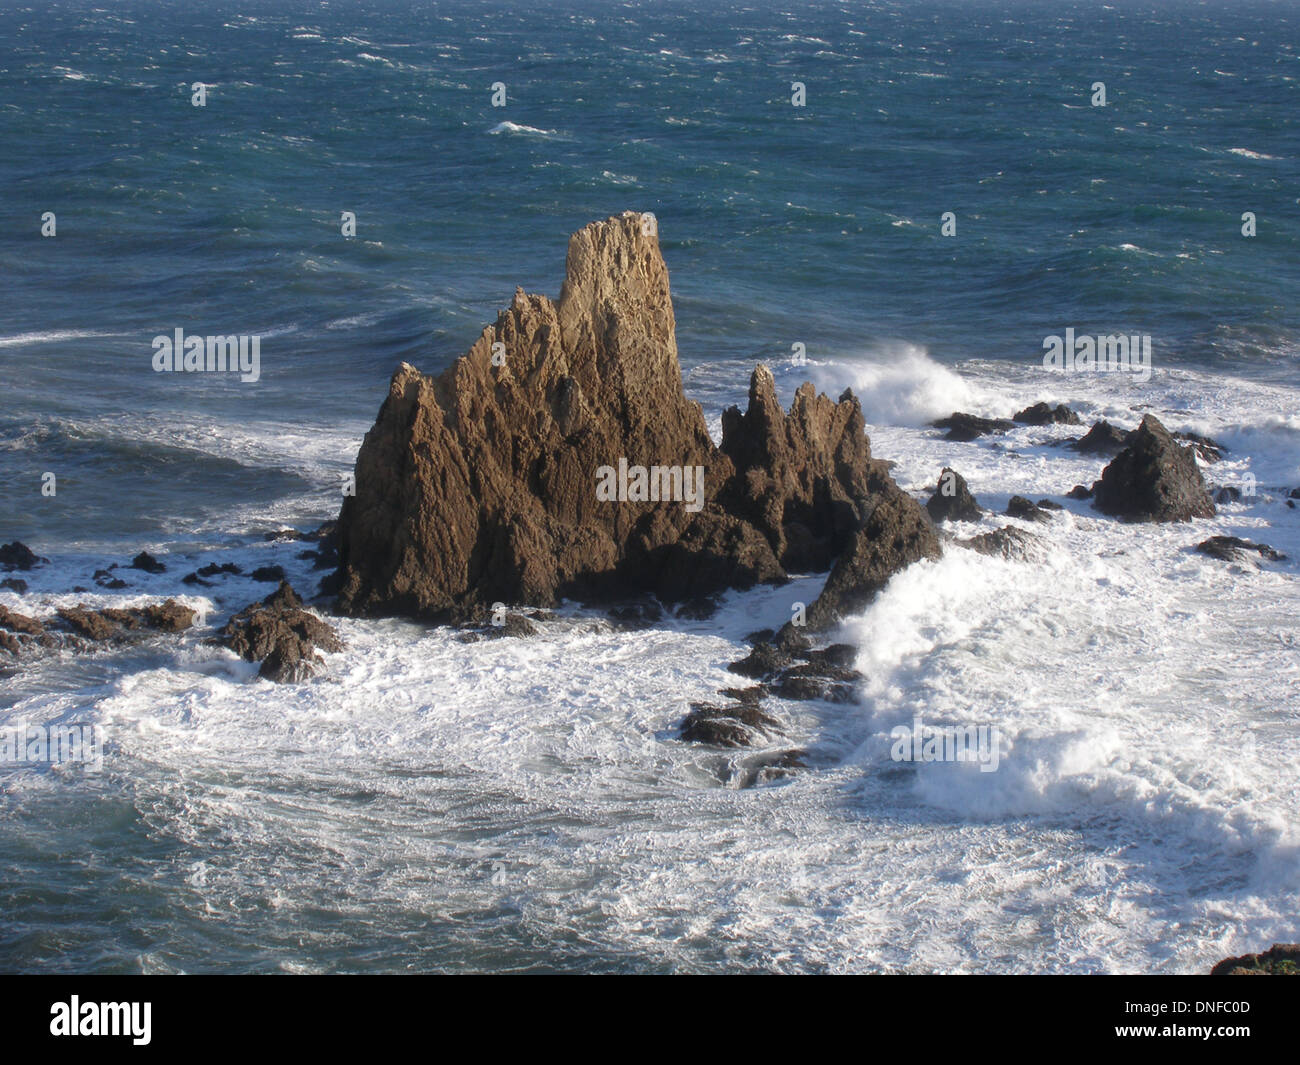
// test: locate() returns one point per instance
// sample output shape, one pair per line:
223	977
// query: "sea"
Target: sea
901	198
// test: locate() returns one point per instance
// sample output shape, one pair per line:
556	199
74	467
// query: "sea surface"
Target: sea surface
525	805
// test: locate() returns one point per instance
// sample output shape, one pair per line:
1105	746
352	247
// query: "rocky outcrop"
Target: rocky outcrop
952	499
280	633
1281	959
1045	414
74	628
1153	479
492	482
1028	510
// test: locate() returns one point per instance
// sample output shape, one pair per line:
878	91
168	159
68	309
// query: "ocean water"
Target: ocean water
525	805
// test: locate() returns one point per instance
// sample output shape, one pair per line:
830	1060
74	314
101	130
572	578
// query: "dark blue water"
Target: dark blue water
818	224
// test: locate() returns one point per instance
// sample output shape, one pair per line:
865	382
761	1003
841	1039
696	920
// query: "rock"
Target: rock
836	656
268	574
214	570
1010	543
762	661
1079	492
1228	494
952	499
1049	504
194	578
964	427
737	725
20	623
1281	959
480	485
18	555
1102	439
15	584
148	563
1211	451
895	534
817	681
1235	549
1153	479
765	768
1044	414
281	634
105	579
699	609
1026	510
91	624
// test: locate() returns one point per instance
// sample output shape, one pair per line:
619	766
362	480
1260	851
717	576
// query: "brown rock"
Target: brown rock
1153	479
280	633
480	485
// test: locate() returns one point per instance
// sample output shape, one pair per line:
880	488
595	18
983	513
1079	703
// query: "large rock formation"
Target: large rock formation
490	482
1153	479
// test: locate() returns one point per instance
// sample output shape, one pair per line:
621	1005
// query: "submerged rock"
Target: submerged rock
1153	479
533	468
952	499
1010	543
734	725
280	633
1235	549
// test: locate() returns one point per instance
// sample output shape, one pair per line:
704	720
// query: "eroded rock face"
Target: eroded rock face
481	485
1153	479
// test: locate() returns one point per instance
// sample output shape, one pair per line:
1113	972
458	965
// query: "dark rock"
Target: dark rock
817	681
952	499
116	624
1153	479
282	635
1026	510
1228	494
736	725
194	578
764	660
1009	543
638	614
1049	504
1211	451
91	624
480	485
268	574
148	563
760	636
214	570
1079	492
1102	439
1281	959
750	696
1235	549
836	656
1045	414
699	609
18	555
964	427
15	584
105	579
